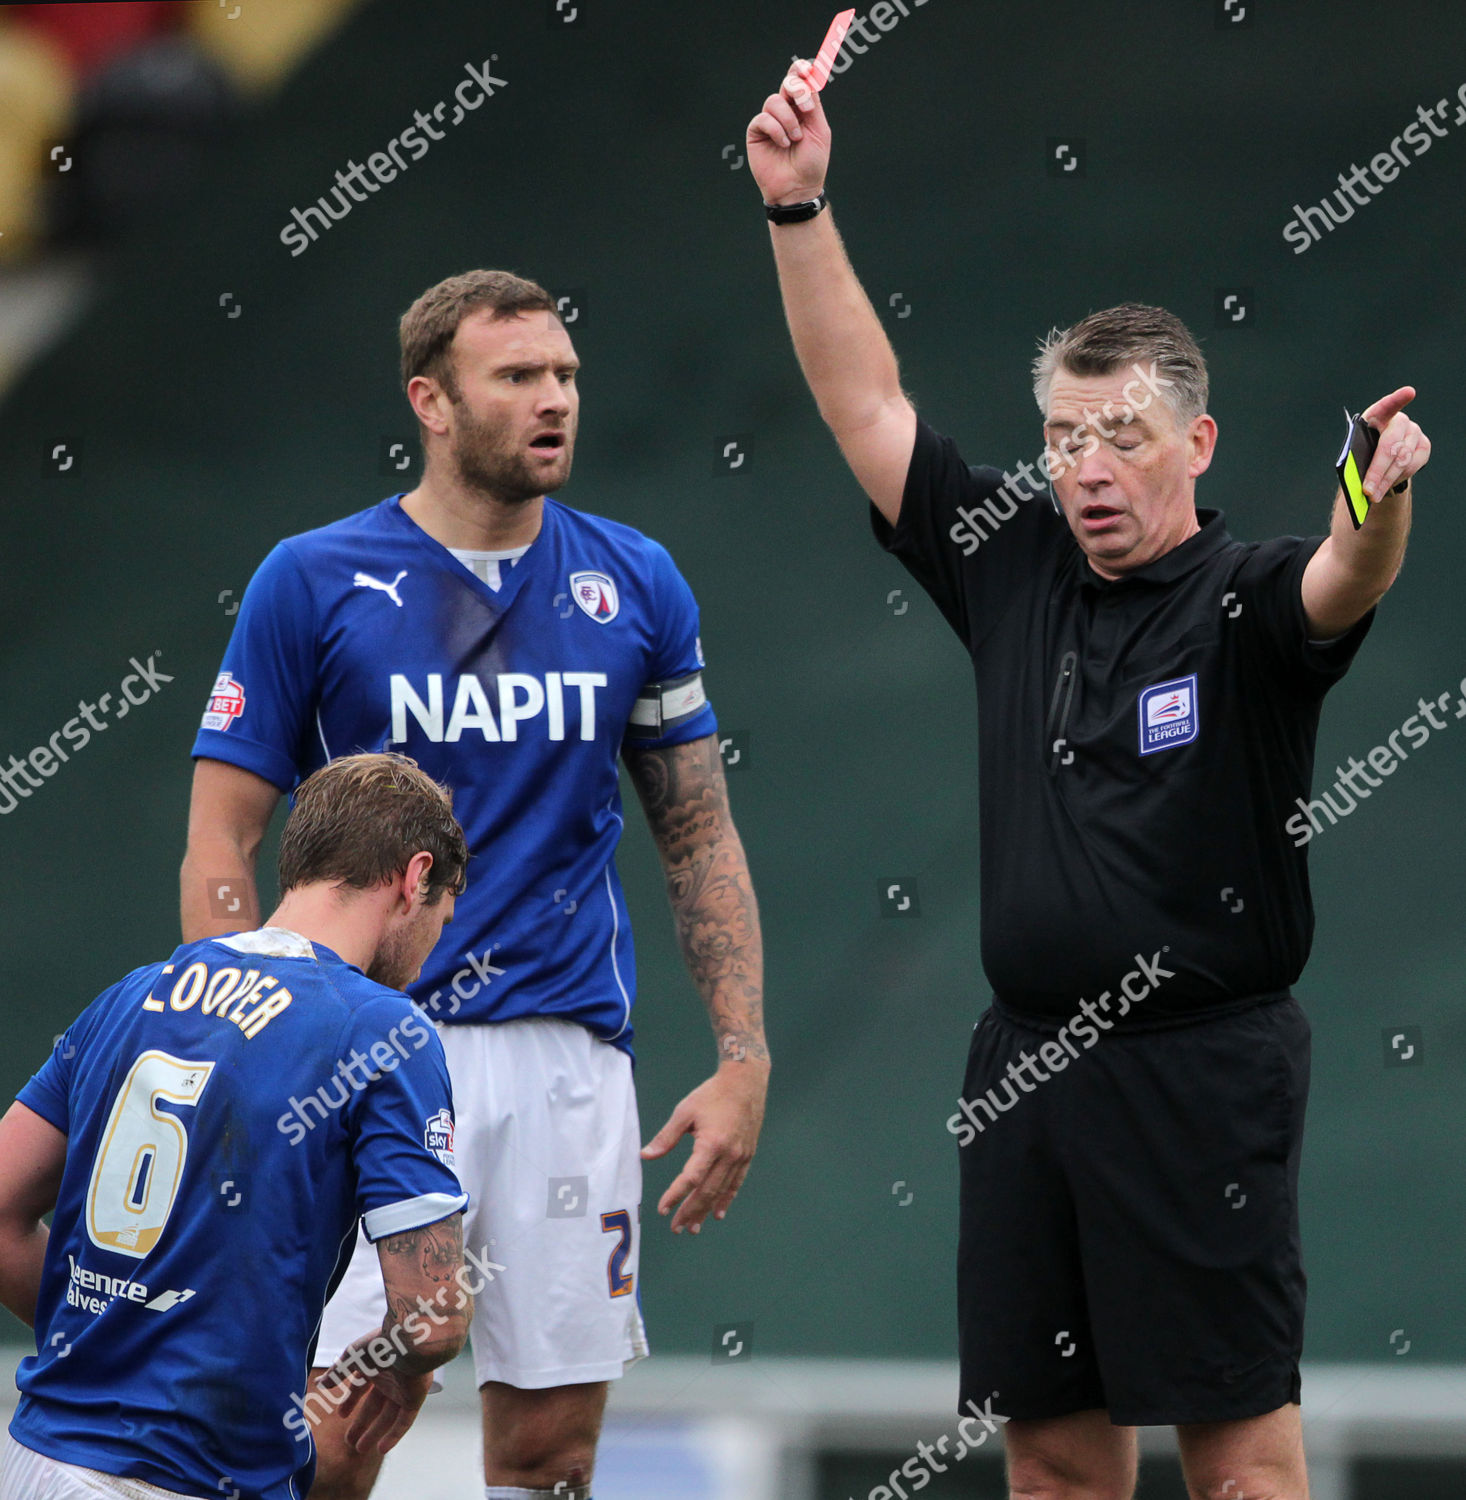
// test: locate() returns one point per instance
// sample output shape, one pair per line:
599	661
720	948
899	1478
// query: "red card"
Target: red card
825	58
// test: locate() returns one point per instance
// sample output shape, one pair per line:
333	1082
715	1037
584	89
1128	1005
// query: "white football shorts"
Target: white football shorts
548	1147
28	1475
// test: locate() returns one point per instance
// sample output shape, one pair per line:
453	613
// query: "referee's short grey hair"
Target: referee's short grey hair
1118	338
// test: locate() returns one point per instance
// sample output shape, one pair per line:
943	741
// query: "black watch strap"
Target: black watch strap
795	213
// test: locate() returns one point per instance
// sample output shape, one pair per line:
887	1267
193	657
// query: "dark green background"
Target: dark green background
600	169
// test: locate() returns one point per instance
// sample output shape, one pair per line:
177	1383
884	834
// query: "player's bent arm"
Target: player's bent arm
32	1159
429	1305
846	358
429	1296
227	817
684	793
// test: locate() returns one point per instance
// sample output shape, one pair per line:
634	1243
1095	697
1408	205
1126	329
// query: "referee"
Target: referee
1149	690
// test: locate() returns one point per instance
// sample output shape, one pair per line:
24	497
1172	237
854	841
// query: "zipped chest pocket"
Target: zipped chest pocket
1060	703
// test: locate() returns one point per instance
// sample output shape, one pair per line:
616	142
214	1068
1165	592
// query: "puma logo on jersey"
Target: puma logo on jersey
366	581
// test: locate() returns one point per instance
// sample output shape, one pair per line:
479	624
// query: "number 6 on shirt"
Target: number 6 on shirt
137	1172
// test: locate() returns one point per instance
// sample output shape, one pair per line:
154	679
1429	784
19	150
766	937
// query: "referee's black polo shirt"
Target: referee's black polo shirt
1141	745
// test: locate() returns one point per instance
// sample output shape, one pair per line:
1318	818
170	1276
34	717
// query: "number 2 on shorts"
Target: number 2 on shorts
619	1223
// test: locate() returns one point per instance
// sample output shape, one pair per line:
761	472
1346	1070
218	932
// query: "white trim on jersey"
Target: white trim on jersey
412	1213
321	731
271	942
616	967
485	566
351	1238
616	933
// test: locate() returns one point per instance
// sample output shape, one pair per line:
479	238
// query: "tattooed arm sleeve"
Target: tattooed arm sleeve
685	796
429	1301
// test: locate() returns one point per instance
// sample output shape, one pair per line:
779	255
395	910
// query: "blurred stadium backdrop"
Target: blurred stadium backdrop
181	391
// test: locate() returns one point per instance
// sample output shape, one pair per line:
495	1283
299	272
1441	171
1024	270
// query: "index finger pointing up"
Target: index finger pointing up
1388	407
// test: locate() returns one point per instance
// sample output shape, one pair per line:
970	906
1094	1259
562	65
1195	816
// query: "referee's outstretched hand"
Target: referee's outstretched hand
1403	448
789	141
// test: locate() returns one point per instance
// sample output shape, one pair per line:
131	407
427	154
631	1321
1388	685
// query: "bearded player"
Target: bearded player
515	648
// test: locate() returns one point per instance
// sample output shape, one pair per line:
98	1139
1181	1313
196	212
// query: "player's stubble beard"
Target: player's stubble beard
490	463
390	965
399	957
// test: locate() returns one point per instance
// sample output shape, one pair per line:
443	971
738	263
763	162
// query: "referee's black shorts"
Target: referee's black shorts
1129	1228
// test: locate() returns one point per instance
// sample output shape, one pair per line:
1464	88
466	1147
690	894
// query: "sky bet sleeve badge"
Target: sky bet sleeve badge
438	1136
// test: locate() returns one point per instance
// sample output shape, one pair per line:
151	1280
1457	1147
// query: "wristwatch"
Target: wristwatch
796	213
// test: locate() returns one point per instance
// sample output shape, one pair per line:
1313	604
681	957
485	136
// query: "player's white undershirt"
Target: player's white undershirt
485	565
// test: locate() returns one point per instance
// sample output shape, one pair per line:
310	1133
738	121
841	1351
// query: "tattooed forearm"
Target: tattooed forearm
686	800
435	1251
427	1310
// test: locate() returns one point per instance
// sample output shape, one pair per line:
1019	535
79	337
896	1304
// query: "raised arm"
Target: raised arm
844	352
1352	570
227	818
685	797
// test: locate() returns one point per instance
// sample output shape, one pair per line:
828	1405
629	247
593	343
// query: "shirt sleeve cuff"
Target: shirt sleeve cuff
249	755
1333	655
895	537
412	1213
41	1101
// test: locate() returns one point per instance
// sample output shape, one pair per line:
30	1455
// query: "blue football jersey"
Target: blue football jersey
368	635
230	1116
